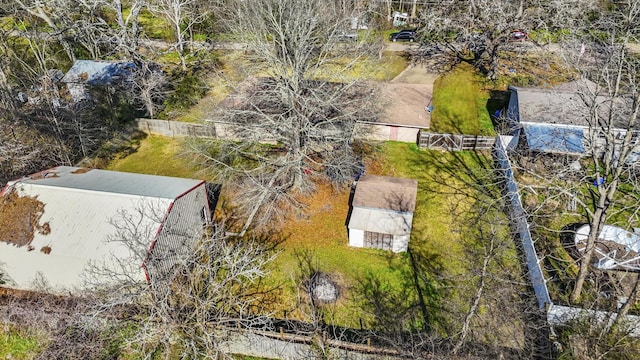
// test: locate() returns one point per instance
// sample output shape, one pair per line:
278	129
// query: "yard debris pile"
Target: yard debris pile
322	287
20	219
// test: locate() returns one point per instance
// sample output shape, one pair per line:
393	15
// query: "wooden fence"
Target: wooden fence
175	128
454	142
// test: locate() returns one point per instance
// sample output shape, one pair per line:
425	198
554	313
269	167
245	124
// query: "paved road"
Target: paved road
524	46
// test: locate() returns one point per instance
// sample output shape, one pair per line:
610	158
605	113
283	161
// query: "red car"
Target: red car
518	35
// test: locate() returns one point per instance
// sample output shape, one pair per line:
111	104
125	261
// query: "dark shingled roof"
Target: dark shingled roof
386	192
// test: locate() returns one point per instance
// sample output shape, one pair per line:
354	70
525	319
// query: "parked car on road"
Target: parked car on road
403	35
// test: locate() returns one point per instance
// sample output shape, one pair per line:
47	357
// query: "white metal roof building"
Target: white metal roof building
92	73
558	119
119	225
382	212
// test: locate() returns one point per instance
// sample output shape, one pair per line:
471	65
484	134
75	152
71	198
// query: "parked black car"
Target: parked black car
403	35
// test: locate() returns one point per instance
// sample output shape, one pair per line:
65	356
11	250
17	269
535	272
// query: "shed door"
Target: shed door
376	240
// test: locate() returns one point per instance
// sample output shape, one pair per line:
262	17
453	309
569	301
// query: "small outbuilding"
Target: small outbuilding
62	229
382	212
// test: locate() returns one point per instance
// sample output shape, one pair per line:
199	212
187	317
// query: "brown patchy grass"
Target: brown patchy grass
542	68
319	228
326	208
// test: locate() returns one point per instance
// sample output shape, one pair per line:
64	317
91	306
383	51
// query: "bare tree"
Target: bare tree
128	32
149	87
613	103
183	15
189	305
303	102
83	25
477	31
51	12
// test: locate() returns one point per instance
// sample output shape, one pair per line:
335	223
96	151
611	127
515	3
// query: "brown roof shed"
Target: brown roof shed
386	192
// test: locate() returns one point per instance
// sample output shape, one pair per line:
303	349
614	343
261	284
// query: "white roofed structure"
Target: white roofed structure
382	212
615	248
97	219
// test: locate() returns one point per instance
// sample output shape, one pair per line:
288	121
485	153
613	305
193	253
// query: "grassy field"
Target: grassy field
319	228
16	344
155	155
460	103
234	68
385	68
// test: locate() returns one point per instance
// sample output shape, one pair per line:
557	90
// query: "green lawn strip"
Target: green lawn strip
156	155
385	68
153	26
219	87
19	344
459	101
388	67
346	265
431	230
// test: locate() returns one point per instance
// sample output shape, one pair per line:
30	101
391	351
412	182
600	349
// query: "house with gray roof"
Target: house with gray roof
86	73
65	227
381	213
559	119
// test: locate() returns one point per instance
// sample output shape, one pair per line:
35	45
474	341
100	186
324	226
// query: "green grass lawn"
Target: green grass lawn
384	68
153	26
156	155
460	103
320	227
16	344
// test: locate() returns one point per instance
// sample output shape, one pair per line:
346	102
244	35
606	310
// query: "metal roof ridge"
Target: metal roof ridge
75	189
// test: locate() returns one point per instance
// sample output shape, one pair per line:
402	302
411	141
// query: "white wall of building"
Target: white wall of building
356	237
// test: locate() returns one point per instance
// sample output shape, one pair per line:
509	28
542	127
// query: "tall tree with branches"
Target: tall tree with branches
476	31
613	103
183	15
303	102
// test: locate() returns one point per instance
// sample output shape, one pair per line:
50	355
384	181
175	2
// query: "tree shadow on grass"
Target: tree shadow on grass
463	173
404	315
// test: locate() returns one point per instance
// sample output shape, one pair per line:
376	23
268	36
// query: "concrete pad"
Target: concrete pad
406	104
408	95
